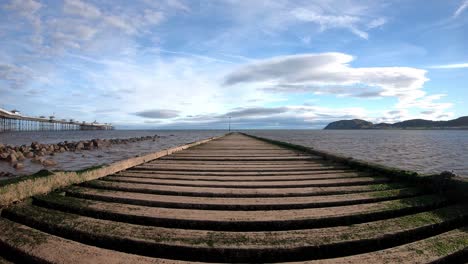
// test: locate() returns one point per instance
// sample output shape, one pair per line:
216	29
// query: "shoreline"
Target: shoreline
42	154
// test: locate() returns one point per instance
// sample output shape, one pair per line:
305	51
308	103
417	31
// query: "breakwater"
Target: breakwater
37	152
237	199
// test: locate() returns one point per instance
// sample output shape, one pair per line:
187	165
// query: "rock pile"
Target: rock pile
5	174
38	152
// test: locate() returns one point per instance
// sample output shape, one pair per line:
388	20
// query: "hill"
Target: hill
459	123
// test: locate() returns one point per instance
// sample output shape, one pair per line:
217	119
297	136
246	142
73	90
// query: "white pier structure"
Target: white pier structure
14	121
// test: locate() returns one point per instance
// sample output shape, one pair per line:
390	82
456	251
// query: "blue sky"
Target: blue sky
264	63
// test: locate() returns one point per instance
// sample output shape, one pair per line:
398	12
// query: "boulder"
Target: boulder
79	146
20	156
88	145
97	143
37	159
18	166
4	155
49	163
29	155
35	145
12	158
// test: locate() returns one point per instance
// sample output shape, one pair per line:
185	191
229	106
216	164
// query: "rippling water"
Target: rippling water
85	159
425	151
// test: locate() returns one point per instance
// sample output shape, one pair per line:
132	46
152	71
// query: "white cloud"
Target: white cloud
461	9
26	8
330	69
330	21
153	17
15	76
331	73
376	23
158	114
178	5
357	17
29	9
450	66
81	8
292	116
129	22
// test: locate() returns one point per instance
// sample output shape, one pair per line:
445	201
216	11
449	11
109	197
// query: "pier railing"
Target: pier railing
12	121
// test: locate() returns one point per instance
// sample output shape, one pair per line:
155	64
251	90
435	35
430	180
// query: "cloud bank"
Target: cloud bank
330	70
158	114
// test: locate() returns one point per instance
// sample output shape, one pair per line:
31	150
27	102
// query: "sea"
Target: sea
424	151
83	159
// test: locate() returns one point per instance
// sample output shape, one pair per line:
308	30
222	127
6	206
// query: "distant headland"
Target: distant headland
459	123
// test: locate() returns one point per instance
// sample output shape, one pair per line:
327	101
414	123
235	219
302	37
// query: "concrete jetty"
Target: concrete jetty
14	121
239	199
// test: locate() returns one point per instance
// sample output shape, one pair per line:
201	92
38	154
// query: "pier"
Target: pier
240	199
13	121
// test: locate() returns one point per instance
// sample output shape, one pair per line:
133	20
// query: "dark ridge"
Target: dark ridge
459	123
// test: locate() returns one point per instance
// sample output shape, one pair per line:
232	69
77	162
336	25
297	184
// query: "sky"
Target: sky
266	64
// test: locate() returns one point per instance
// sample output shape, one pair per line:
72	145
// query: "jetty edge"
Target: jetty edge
453	186
45	181
238	199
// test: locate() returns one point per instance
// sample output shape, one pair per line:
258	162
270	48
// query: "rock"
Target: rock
29	155
12	158
35	145
79	146
62	149
97	143
49	163
5	174
18	166
37	159
89	145
4	155
20	156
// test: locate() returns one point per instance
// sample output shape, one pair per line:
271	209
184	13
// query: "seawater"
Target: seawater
89	158
424	151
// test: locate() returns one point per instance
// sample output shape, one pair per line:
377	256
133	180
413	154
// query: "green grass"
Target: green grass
448	247
387	186
39	174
